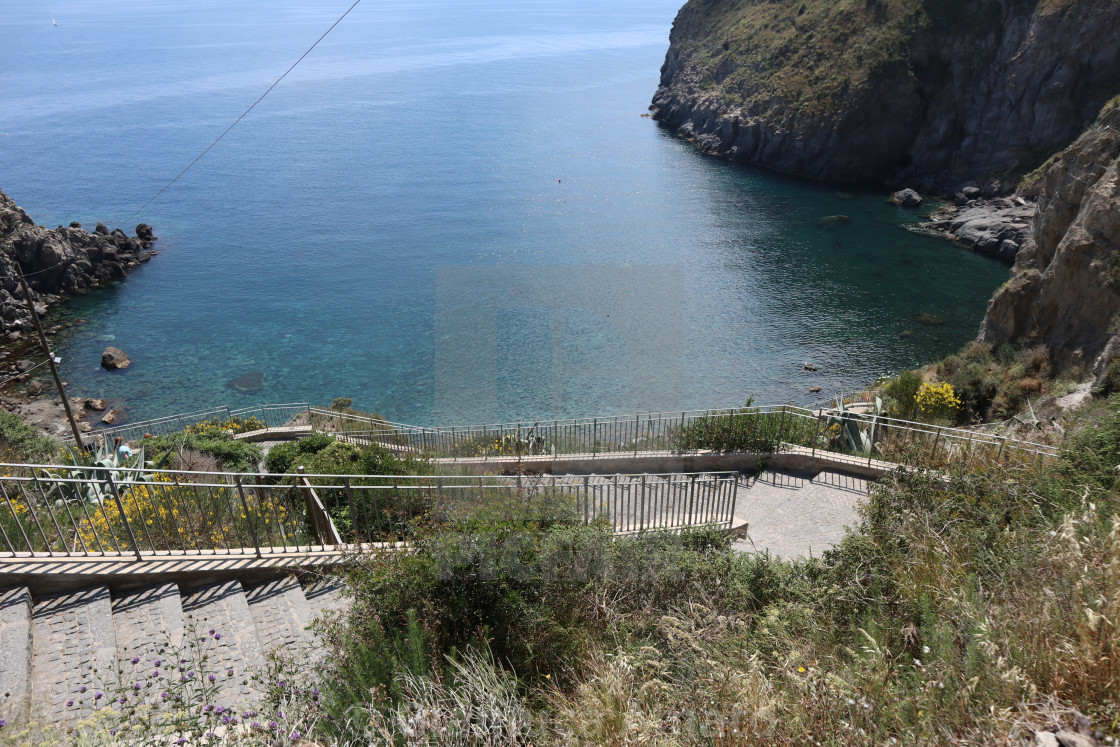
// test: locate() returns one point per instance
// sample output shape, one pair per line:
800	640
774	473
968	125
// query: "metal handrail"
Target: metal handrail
54	510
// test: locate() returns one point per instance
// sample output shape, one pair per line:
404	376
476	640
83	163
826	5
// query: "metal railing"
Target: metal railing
763	429
98	512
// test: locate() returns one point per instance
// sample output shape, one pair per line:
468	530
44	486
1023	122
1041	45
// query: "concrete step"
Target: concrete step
74	655
149	625
223	609
281	613
15	652
326	595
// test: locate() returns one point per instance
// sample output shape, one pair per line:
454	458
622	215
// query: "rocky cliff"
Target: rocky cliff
933	93
1065	284
57	262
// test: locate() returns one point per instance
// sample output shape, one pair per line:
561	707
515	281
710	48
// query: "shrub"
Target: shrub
901	393
937	401
232	455
19	442
282	457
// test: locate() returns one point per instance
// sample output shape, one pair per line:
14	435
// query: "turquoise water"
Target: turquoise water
365	231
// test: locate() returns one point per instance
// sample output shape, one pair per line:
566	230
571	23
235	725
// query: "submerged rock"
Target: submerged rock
248	383
832	222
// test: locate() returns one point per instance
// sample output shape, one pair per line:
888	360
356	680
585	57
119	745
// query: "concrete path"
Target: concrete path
797	514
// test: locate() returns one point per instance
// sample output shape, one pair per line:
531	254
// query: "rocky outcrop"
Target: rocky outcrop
1065	284
998	226
931	93
57	262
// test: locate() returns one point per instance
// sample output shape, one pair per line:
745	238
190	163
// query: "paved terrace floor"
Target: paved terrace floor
797	514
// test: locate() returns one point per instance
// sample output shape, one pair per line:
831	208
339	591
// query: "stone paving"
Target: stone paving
15	647
797	514
74	655
233	645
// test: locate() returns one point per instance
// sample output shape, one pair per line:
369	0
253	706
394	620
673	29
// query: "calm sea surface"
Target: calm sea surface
450	211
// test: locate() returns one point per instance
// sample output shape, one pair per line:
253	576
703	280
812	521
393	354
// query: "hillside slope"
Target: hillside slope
934	93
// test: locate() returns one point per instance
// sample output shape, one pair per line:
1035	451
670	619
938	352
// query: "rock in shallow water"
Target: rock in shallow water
114	358
248	383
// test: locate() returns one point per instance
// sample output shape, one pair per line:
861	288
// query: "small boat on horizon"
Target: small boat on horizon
54	22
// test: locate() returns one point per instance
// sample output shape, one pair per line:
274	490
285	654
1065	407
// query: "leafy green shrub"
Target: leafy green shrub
900	393
747	429
340	458
232	455
19	442
282	457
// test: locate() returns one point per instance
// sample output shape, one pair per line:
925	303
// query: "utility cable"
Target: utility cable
21	375
243	115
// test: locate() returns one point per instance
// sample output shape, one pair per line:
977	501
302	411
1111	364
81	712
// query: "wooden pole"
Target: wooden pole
50	357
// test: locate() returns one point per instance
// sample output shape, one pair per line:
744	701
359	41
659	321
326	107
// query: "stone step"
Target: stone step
74	655
281	613
233	646
15	652
326	595
149	625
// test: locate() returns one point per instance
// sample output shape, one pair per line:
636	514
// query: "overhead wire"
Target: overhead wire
243	115
25	373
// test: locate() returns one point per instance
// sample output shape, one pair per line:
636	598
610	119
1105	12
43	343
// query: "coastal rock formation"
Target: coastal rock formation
58	262
931	93
1065	284
998	226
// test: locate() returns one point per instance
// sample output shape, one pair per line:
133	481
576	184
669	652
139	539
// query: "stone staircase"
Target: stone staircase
58	651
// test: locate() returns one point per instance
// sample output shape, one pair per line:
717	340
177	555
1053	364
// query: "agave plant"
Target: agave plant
87	479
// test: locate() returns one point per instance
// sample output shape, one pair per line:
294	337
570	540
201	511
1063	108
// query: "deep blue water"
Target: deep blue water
450	211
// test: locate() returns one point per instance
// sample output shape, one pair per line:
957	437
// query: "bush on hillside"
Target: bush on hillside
20	442
231	454
284	457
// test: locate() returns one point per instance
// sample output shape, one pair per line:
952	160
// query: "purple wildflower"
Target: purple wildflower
164	696
230	672
211	677
208	708
82	689
211	631
69	704
217	636
294	737
181	740
154	674
255	724
135	659
227	718
157	663
97	695
113	732
122	700
3	723
136	686
273	725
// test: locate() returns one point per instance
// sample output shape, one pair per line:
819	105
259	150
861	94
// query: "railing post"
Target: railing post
816	433
691	498
637	421
734	501
586	499
933	453
1002	443
781	429
124	517
642	514
248	515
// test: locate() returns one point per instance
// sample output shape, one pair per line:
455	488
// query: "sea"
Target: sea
449	212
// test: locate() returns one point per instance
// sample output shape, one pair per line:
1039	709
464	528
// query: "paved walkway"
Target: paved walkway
797	514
